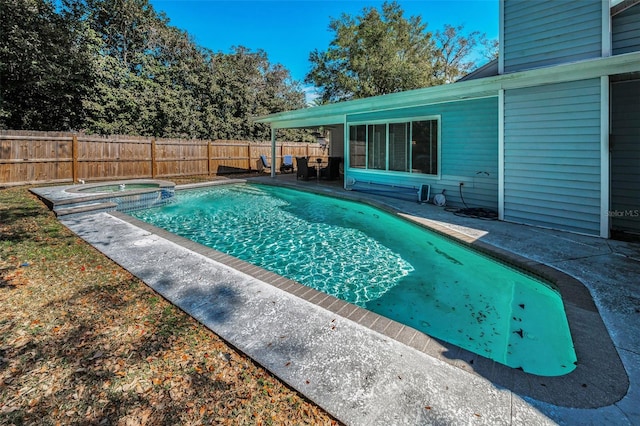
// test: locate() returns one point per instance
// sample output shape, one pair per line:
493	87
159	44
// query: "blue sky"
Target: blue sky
289	30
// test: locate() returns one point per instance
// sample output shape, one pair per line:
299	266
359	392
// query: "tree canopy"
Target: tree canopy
42	69
382	52
117	66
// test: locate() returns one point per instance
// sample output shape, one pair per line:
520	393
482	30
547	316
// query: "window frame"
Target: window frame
437	118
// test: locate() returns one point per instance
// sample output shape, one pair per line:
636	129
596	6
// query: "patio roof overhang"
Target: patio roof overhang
333	114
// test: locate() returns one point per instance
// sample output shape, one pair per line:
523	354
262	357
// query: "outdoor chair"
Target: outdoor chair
287	164
332	171
265	162
304	171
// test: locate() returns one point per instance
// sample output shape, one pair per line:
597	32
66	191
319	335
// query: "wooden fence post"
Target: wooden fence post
74	158
249	154
154	170
209	158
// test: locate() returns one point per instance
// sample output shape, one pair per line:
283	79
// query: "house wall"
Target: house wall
469	151
552	156
625	31
548	32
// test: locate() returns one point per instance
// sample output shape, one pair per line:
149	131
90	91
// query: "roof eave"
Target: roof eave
463	90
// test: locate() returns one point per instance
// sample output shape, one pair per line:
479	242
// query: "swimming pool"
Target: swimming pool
382	263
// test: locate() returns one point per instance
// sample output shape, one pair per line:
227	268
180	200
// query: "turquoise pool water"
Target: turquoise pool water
382	263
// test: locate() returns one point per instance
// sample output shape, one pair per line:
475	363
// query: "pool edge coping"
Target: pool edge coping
592	341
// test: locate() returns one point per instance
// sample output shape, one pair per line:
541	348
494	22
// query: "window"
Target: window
377	147
358	146
399	147
410	147
424	147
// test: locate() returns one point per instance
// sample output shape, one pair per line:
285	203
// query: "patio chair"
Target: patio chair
265	162
332	171
304	171
287	164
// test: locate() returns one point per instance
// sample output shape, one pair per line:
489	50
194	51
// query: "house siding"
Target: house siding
625	32
552	156
543	33
469	151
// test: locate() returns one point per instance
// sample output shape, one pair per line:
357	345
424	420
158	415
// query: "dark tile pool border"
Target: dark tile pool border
598	380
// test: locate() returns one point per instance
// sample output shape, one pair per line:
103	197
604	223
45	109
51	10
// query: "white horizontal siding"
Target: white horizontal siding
625	31
552	156
547	32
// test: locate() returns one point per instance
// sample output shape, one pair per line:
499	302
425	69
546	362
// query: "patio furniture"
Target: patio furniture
332	171
265	162
304	171
287	164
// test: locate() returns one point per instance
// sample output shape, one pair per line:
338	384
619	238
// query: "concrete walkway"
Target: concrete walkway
365	373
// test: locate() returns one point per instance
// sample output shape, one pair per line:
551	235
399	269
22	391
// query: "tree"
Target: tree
491	48
117	66
248	85
453	52
45	68
379	53
155	80
373	54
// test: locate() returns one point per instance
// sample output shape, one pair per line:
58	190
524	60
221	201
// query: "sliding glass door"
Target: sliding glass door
409	147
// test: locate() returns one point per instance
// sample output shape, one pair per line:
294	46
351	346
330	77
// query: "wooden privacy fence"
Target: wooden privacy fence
39	157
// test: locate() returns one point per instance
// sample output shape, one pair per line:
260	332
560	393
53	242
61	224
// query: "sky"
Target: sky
289	30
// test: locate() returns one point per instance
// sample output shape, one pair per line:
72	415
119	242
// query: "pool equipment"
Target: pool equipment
440	200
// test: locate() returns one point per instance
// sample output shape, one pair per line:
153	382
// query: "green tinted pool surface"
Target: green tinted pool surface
380	262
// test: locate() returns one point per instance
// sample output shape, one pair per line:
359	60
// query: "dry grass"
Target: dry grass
82	341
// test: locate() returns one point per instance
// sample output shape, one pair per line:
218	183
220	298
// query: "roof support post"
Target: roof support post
273	152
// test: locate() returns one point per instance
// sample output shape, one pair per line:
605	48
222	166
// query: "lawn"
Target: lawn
82	341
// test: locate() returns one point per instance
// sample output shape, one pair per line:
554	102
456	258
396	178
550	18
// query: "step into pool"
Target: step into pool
382	263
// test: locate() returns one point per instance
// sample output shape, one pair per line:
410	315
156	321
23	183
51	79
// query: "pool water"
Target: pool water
385	264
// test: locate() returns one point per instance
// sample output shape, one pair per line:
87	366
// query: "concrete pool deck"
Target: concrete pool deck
364	369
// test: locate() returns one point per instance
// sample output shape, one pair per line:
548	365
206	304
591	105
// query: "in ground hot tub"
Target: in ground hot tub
124	196
117	187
